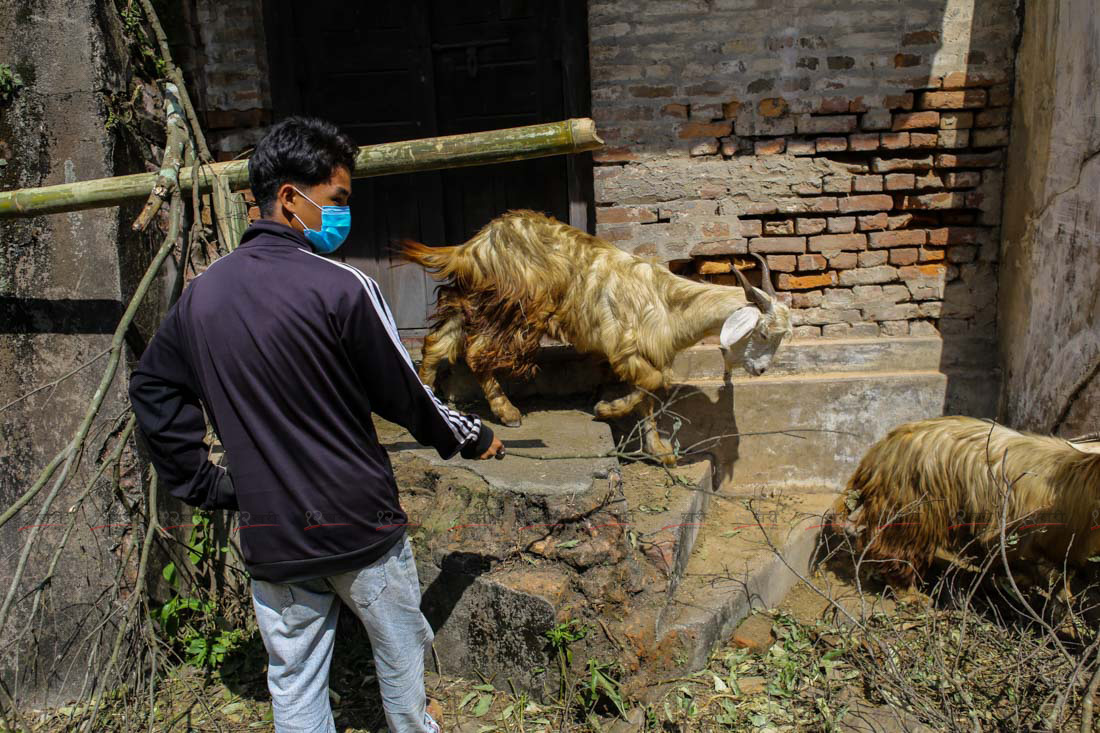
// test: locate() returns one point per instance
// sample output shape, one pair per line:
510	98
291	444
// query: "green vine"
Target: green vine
192	622
10	83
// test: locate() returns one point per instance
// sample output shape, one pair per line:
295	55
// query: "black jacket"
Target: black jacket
289	353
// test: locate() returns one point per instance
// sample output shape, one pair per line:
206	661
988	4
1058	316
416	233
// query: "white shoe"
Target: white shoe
433	726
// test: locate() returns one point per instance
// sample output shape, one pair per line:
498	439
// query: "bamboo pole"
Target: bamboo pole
453	151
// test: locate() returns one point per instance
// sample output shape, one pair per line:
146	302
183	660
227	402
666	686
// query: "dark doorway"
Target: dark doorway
392	70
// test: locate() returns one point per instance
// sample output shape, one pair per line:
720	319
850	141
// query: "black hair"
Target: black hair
302	150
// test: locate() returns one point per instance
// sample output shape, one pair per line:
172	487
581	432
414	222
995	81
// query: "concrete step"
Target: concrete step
830	419
734	569
666	510
813	356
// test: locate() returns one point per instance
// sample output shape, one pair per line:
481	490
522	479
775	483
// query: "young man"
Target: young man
290	353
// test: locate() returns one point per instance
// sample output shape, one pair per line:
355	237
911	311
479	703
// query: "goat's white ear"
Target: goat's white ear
738	325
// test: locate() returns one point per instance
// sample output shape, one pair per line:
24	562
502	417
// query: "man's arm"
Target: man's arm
396	393
169	413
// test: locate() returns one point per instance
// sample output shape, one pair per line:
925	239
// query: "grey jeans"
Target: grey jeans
298	625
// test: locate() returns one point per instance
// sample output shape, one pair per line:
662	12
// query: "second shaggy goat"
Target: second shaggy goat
936	483
525	275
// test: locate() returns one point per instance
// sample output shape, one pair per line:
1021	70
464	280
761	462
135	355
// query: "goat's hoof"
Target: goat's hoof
512	423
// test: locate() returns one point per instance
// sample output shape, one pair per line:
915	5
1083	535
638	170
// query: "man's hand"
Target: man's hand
494	449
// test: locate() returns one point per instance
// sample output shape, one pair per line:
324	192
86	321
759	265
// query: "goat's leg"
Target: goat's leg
638	372
499	403
444	343
655	445
621	407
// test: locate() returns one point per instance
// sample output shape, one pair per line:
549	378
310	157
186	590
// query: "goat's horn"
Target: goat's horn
765	275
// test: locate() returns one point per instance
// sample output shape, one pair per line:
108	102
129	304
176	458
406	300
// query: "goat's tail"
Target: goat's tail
442	262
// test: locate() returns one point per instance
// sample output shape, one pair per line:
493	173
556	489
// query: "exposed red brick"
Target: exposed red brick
873	222
904	60
675	110
964	99
809	226
915	271
613	155
843	260
916	120
890	165
832	105
934	201
870	202
931	255
781	263
899	181
898	101
751	228
865	184
820	205
923	139
873	258
898	238
713	267
863	141
733	246
971	78
801	147
773	107
841	224
811	262
831	144
625	214
806	282
769	147
953	235
953	138
956	120
705	129
895	140
779	228
834	242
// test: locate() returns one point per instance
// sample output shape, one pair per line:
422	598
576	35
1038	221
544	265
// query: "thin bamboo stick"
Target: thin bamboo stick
453	151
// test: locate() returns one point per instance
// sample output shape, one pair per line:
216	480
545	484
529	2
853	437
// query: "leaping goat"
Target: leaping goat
932	483
525	275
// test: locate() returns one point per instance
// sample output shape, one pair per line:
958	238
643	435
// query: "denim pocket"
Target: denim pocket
276	596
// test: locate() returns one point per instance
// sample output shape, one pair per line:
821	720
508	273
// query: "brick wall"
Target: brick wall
228	64
860	150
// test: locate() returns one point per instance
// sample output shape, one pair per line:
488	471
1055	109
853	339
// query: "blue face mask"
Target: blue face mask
335	225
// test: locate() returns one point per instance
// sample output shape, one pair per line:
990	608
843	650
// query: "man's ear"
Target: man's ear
738	325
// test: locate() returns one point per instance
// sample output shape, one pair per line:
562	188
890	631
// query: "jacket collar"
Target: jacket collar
266	232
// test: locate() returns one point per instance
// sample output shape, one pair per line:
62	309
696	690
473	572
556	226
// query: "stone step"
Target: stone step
666	510
812	356
832	418
734	569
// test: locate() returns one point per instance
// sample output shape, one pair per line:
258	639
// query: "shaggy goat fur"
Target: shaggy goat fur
526	275
934	482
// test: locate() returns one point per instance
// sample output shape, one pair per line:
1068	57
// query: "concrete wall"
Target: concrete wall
1050	280
61	292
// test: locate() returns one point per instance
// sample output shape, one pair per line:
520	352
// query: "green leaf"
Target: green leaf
483	704
568	543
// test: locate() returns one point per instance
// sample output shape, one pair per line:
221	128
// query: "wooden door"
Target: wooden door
391	70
